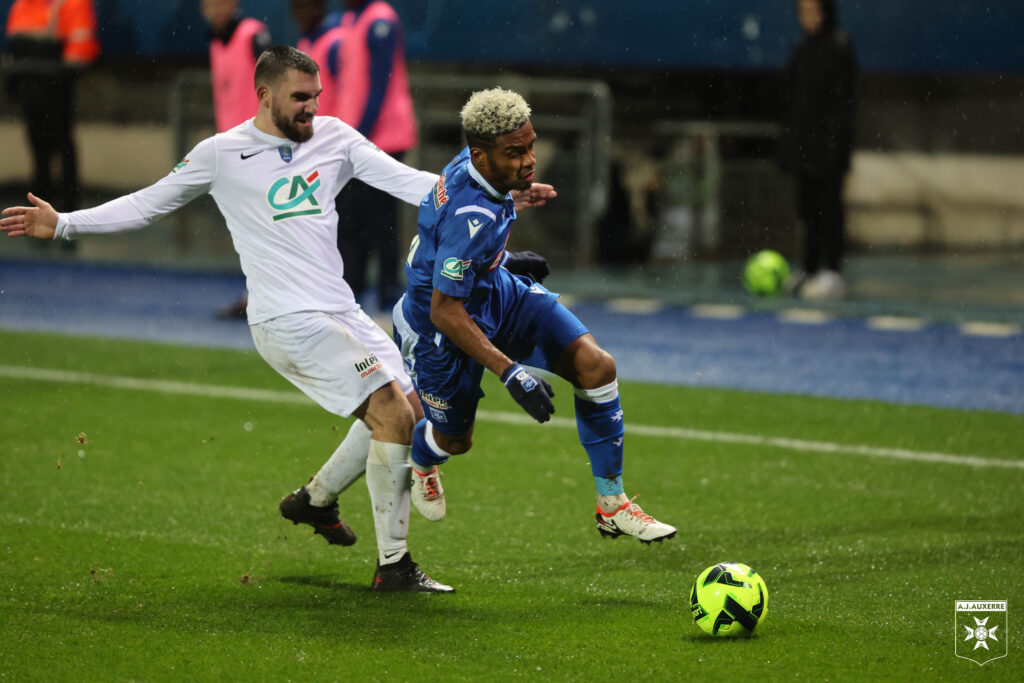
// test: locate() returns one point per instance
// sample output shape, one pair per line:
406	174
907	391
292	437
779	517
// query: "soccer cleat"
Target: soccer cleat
630	520
428	494
406	576
296	508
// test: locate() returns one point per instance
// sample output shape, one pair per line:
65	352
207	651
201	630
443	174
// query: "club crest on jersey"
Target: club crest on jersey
440	193
293	196
286	153
454	267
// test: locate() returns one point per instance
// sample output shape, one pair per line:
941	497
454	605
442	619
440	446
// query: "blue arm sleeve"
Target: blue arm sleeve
381	40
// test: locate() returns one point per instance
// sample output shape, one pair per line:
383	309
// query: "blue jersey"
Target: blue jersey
463	229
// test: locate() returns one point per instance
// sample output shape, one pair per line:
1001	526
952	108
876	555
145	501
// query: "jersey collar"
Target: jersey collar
269	139
475	175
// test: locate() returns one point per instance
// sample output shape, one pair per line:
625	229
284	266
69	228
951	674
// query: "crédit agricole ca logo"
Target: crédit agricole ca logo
293	196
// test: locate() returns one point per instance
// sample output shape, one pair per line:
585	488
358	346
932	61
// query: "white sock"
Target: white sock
609	504
344	467
387	478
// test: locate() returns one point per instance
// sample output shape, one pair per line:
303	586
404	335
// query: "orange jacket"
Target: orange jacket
72	22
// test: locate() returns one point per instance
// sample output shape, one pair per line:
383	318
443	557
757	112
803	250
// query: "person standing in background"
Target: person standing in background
374	98
321	40
816	143
236	42
51	42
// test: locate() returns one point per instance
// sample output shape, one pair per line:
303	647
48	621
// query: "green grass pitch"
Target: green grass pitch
154	550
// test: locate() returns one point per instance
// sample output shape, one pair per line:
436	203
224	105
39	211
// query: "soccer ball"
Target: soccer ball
765	273
729	599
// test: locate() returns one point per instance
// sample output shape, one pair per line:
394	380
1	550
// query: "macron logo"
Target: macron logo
474	226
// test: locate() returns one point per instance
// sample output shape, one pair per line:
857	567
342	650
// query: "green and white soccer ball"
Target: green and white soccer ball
729	599
765	273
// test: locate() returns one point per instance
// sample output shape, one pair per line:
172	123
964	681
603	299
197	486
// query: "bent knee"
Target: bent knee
453	445
594	366
390	416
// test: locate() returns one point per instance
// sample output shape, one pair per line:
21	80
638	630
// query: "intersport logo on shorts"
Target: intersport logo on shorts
368	366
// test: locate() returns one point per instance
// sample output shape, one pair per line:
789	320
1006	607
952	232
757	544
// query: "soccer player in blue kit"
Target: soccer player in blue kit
464	312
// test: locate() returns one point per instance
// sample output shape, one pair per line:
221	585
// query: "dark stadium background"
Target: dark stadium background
911	35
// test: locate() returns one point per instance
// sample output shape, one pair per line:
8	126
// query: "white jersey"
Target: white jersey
277	197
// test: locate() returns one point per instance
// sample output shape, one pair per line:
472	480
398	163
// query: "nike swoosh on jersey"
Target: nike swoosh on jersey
246	156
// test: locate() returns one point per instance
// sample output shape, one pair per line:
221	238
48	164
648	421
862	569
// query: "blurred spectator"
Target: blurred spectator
321	39
236	42
374	98
816	142
51	43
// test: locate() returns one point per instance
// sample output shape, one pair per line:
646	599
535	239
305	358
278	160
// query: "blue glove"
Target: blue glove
531	392
528	263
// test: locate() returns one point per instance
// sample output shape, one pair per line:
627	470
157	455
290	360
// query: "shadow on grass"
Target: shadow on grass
324	581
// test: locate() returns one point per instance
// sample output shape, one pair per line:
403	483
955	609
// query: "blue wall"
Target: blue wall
900	35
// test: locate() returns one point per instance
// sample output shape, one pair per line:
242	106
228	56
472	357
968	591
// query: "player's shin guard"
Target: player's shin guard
601	429
425	451
387	478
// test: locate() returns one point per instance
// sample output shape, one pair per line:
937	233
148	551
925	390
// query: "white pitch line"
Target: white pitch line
273	396
158	385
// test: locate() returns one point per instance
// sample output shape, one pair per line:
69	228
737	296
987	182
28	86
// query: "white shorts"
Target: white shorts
337	359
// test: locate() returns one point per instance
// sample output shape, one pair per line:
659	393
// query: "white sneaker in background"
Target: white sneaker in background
825	284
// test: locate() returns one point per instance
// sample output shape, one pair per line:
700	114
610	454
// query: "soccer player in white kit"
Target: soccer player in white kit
274	179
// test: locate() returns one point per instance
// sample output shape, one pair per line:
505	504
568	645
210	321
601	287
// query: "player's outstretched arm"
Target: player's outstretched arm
38	220
537	195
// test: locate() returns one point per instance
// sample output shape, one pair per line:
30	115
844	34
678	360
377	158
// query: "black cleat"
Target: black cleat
406	576
296	508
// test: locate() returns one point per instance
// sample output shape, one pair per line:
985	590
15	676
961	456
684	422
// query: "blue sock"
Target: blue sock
422	454
602	431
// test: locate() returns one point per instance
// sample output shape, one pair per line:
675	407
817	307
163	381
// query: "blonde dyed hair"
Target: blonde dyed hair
489	114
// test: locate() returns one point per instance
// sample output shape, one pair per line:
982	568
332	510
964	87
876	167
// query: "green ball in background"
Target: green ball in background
765	273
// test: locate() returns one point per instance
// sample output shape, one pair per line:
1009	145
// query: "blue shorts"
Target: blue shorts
448	381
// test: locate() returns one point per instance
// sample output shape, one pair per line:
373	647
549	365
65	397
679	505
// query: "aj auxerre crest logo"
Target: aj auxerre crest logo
980	633
293	196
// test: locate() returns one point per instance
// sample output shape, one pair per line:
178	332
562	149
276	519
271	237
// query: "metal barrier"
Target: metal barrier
723	194
574	122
